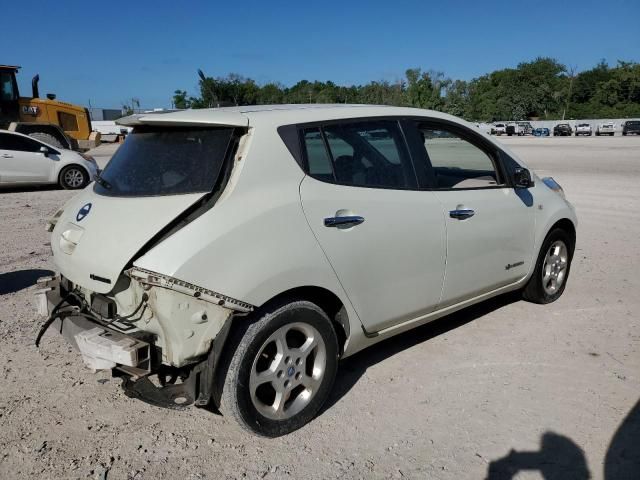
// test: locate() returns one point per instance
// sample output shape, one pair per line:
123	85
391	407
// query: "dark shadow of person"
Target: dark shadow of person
558	459
622	461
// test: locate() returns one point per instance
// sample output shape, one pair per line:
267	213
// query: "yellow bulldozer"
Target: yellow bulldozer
57	123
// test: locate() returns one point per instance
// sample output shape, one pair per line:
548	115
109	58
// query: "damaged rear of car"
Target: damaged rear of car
135	321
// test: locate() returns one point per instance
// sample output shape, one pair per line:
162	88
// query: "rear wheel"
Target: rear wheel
73	177
282	369
46	138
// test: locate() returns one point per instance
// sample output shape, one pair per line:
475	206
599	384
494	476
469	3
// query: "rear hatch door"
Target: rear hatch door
156	176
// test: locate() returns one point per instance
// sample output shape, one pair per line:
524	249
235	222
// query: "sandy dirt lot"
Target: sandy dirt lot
505	389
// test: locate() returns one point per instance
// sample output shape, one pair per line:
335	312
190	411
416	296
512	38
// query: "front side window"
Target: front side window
156	161
456	162
18	143
364	154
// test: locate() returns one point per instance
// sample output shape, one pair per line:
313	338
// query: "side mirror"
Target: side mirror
44	150
522	178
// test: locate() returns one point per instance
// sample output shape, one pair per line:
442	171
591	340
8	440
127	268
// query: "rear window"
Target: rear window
165	161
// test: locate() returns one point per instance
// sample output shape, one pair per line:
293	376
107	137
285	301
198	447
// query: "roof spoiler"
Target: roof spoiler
184	118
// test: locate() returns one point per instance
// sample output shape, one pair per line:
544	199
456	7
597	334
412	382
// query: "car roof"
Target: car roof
275	115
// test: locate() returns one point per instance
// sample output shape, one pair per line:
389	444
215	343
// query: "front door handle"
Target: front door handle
461	214
6	155
346	221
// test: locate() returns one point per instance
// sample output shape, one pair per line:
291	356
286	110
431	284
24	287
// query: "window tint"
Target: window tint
18	143
317	156
370	154
456	162
68	122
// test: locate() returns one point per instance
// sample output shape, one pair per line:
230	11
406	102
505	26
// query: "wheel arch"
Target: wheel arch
568	226
328	301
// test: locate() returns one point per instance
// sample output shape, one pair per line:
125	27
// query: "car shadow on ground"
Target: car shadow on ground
29	188
352	368
19	280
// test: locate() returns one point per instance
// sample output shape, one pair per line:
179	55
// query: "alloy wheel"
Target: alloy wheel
554	267
288	371
74	178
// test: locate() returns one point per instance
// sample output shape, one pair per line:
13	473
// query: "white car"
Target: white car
607	128
499	129
234	255
27	161
583	129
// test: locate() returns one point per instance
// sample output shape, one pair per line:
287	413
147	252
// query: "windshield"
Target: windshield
157	161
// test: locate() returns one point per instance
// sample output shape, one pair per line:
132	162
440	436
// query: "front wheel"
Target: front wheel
282	369
549	278
73	177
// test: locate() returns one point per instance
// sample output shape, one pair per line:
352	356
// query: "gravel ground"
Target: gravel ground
505	389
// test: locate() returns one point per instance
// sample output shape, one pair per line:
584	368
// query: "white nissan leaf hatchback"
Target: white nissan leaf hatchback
233	256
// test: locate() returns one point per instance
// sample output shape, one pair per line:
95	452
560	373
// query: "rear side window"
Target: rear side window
319	163
18	143
456	162
364	154
166	161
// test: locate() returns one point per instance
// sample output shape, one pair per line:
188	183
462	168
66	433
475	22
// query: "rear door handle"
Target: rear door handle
346	221
462	213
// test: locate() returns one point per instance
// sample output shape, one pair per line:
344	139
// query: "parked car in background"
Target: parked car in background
631	127
512	129
235	255
524	128
499	129
27	161
541	132
607	128
562	129
583	129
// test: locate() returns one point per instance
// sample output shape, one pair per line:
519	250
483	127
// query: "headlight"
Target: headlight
553	185
89	159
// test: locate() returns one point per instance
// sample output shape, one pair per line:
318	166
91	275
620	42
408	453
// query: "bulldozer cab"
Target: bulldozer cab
9	105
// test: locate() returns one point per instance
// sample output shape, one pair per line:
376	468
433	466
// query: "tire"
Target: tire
267	361
47	138
540	288
73	177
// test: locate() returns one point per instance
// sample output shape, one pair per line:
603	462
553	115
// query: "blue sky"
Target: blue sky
107	52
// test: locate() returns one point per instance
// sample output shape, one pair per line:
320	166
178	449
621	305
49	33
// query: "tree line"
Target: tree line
541	89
